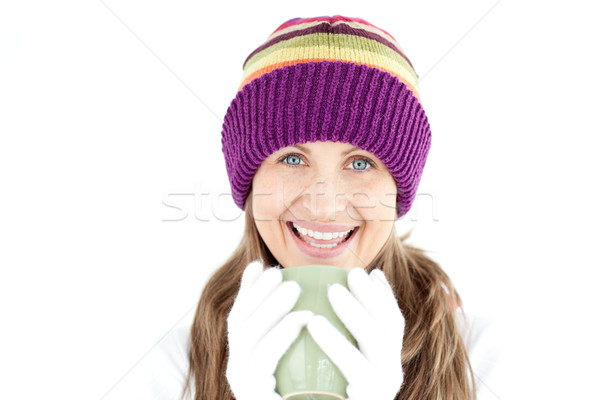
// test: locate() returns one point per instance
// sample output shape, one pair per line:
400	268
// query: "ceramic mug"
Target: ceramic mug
305	372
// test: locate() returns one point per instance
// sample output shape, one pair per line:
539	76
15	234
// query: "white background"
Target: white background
111	110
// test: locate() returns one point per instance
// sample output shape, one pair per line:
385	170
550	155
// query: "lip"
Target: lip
317	252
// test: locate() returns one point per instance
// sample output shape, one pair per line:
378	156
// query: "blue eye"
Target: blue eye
360	164
292	157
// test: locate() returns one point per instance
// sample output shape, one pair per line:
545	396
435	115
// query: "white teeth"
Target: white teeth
323	246
321	235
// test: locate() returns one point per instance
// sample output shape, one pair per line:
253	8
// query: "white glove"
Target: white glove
260	332
371	314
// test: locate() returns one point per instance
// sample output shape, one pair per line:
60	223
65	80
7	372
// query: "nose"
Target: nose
325	198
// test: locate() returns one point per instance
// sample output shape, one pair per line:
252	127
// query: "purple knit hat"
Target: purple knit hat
328	78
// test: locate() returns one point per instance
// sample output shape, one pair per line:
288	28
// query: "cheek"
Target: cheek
270	194
376	201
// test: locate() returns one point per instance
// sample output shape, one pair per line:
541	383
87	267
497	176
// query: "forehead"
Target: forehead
333	147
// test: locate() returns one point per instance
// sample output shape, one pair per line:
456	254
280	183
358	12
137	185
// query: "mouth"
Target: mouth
318	247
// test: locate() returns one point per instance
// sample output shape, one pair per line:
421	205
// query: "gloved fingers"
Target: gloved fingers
392	322
250	298
251	274
271	312
276	342
380	338
274	395
365	291
377	276
254	270
390	310
349	360
376	297
353	315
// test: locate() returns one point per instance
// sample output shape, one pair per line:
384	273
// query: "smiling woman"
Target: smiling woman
325	143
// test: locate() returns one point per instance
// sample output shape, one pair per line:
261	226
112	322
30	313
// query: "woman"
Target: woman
325	143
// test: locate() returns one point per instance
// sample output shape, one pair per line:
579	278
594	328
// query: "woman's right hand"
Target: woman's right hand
260	329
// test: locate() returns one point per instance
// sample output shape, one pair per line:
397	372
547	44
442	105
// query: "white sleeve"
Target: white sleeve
483	337
168	367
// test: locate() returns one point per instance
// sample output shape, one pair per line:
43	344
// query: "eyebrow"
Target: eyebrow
306	150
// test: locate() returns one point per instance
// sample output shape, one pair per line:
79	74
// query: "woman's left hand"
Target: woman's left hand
370	312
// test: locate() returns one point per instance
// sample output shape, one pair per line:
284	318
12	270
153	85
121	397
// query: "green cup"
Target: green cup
305	372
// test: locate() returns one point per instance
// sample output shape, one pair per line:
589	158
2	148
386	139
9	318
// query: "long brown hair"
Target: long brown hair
434	359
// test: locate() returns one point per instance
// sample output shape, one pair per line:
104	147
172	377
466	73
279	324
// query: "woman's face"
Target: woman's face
328	188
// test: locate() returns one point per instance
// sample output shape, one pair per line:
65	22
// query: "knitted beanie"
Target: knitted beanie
336	79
